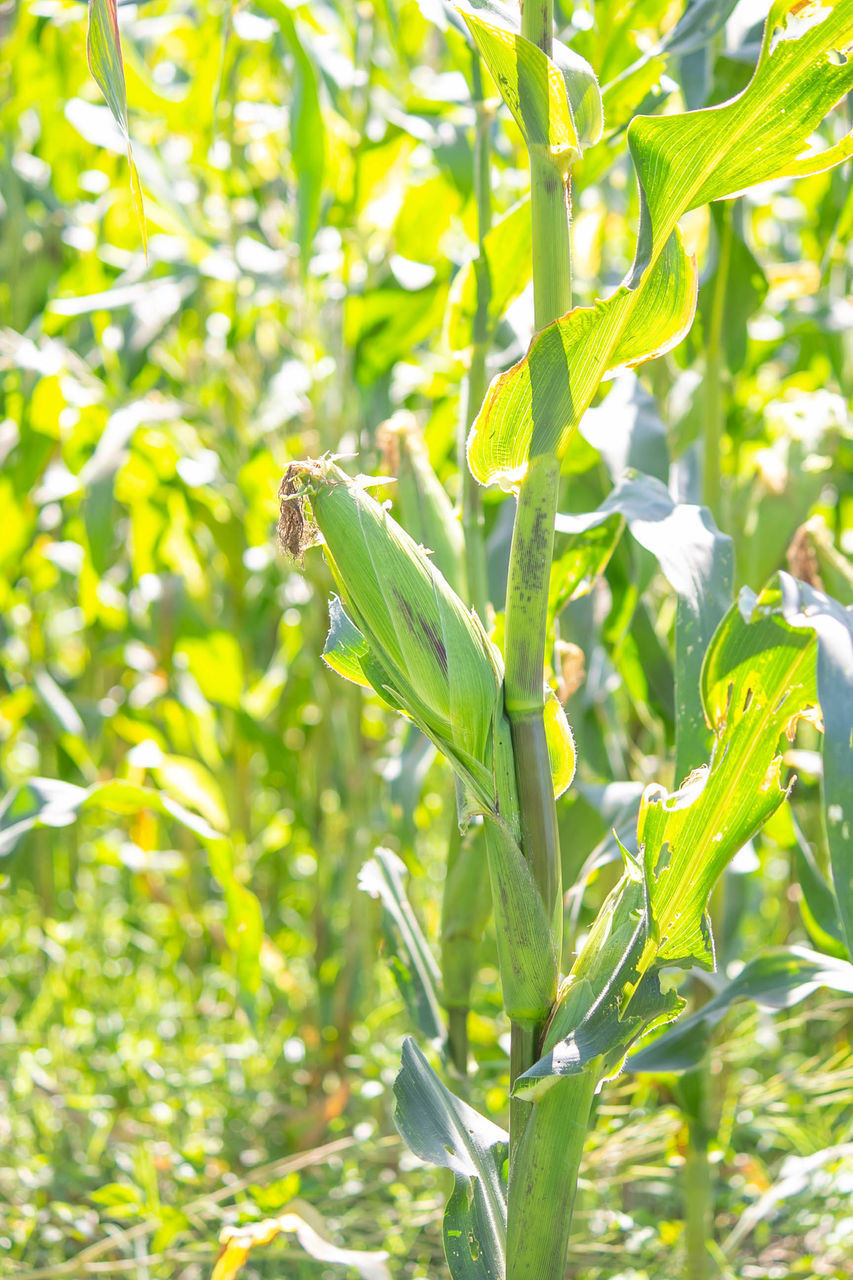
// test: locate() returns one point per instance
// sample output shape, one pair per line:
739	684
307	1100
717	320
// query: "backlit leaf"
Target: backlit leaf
535	406
105	62
687	160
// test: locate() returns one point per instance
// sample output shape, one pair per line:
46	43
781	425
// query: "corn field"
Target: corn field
426	639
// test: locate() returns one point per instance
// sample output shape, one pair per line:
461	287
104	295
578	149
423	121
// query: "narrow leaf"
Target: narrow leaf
776	980
412	962
535	406
103	46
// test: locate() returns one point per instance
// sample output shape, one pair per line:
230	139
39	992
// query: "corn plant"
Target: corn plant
747	674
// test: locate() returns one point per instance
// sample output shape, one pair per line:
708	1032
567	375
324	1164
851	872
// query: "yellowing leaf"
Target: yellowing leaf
238	1242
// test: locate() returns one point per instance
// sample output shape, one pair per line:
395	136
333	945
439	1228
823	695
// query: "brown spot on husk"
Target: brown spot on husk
295	531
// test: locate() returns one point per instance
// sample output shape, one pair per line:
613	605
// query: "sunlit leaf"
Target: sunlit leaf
684	161
535	406
105	63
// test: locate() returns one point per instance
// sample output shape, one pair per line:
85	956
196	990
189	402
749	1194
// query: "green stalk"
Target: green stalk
475	389
711	477
543	1180
532	548
692	1094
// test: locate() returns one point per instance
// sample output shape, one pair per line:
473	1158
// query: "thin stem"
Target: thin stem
475	389
711	477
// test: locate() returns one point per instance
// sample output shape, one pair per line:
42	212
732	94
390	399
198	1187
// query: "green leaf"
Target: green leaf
535	90
192	784
697	561
307	129
580	82
440	1128
581	558
818	905
687	160
758	681
346	651
535	406
561	744
103	46
776	980
411	960
627	431
832	624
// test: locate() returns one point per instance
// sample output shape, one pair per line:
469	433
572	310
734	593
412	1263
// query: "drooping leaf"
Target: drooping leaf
627	431
103	45
687	160
758	681
536	405
776	980
411	959
682	161
832	624
440	1128
581	557
697	561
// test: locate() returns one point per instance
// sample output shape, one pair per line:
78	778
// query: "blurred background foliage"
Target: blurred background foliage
193	1003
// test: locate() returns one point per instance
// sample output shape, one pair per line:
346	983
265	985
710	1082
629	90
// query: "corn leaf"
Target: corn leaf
580	559
776	980
758	681
440	1128
535	406
818	905
687	160
802	606
697	561
410	958
682	161
542	96
103	46
561	744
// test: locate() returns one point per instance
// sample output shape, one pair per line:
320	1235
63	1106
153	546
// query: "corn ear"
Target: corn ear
432	656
